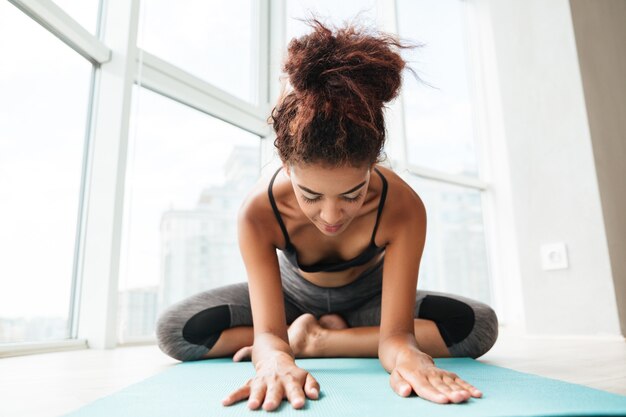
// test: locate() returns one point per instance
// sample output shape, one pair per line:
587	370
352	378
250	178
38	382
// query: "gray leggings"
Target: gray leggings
188	329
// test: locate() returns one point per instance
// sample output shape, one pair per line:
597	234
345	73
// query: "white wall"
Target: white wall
600	28
552	172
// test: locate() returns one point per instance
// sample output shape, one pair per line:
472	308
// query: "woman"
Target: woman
350	235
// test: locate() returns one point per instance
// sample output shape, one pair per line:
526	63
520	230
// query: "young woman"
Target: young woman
349	233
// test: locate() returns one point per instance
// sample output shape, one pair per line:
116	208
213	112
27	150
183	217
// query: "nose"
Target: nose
331	213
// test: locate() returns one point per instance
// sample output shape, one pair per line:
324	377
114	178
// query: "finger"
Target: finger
274	396
470	388
446	384
257	394
294	392
312	387
424	388
243	354
238	395
441	386
399	385
451	382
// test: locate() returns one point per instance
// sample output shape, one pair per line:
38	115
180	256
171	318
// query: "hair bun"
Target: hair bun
349	64
341	79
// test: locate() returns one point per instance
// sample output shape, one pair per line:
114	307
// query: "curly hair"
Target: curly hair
341	81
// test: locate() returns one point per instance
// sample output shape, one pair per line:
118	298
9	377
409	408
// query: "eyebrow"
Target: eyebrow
347	192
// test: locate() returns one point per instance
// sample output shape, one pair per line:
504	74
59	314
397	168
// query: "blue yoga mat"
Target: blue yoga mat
353	387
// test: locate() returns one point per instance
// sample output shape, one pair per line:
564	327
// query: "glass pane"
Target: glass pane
329	11
84	12
455	257
43	113
216	40
187	176
438	120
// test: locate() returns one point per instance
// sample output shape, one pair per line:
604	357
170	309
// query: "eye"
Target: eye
352	199
310	200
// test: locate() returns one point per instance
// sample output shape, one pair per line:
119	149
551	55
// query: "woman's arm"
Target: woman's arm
264	284
277	375
402	259
410	369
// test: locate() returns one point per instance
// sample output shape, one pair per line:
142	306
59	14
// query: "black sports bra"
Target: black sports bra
290	251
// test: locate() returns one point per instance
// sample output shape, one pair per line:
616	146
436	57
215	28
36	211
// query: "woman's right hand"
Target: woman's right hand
277	377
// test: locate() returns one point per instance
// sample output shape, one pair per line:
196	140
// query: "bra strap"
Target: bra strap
275	208
383	197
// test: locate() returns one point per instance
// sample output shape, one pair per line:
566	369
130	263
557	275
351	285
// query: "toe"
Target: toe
333	321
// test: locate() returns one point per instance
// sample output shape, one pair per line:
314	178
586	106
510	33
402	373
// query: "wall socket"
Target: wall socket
554	256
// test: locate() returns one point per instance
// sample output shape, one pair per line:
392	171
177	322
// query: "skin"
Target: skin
310	198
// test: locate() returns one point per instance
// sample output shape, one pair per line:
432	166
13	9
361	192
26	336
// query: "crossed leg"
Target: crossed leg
330	336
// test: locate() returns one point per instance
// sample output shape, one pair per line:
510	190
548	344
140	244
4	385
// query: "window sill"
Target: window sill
30	348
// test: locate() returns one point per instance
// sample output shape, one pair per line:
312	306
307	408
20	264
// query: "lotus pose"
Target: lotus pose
332	243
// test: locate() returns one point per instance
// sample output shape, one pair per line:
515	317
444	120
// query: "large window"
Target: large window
439	134
187	175
215	40
437	112
455	258
44	89
124	157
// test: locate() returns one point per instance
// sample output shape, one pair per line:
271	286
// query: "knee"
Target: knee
171	338
485	332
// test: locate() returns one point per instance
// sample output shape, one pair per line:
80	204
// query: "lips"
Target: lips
332	228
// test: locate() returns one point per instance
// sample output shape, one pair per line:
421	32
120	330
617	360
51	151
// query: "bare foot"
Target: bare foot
303	333
333	321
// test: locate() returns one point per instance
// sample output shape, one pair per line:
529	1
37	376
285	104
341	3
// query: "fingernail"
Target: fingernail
314	391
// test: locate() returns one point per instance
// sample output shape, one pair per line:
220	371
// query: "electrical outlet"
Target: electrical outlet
554	256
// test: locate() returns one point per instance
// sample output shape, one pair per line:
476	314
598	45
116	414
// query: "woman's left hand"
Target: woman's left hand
416	371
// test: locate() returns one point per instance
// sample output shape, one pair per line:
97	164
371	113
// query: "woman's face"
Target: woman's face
329	197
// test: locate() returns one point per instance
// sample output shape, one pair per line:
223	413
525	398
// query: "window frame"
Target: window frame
118	65
65	28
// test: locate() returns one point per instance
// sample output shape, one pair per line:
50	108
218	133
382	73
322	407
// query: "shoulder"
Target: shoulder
404	210
256	218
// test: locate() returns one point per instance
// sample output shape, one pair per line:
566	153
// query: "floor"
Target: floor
52	384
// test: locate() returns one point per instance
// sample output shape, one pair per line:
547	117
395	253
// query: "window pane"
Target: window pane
187	175
329	11
216	40
438	120
455	258
84	12
43	113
